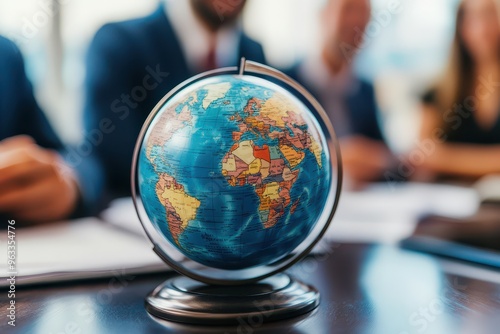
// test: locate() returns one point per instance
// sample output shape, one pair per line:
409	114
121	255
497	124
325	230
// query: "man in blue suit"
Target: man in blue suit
131	65
348	100
36	185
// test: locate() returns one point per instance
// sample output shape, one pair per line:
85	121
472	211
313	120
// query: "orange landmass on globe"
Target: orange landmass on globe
272	170
262	153
180	207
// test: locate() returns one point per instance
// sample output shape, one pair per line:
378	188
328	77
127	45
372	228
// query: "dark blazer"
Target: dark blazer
21	115
131	65
19	112
464	130
361	107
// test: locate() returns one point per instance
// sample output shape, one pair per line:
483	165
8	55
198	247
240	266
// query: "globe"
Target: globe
234	171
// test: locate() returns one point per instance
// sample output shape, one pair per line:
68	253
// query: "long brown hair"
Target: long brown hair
457	83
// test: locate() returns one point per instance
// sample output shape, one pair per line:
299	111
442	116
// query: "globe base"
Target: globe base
181	299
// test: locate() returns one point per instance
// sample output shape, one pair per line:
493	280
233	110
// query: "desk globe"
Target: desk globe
238	170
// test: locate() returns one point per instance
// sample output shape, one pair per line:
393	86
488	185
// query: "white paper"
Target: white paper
122	214
389	213
77	249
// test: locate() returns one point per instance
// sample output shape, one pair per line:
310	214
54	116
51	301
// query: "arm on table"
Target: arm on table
364	159
467	160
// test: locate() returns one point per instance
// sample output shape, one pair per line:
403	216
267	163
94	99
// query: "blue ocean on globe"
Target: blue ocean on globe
234	171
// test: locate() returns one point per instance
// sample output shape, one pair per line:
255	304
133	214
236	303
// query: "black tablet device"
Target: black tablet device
475	239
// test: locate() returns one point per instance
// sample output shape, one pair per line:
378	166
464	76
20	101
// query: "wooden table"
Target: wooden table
364	289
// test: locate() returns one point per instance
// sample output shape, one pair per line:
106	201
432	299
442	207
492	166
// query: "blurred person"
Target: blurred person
36	185
348	100
461	123
131	65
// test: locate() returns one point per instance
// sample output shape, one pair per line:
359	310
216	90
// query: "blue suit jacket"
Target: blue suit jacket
131	65
21	115
361	107
19	112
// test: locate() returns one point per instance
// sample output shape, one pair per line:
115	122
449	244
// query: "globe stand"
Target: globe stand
182	299
248	295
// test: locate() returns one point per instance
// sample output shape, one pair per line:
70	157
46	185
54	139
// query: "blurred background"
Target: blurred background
402	53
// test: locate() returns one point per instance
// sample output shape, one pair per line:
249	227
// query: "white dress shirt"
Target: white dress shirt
195	38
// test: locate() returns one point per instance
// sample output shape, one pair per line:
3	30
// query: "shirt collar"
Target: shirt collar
194	36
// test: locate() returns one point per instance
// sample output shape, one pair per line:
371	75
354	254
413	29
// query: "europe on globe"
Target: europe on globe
234	171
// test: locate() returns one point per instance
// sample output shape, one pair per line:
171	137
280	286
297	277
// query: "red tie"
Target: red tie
210	60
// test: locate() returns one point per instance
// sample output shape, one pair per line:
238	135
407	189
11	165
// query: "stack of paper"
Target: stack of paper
389	212
87	248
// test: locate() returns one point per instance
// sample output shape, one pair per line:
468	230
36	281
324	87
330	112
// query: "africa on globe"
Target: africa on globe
234	171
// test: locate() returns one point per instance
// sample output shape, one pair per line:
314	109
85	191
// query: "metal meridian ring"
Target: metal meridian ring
245	68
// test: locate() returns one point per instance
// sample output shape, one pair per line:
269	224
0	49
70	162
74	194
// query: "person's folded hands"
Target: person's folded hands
35	184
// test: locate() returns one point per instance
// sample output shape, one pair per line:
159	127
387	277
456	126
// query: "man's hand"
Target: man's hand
364	160
35	185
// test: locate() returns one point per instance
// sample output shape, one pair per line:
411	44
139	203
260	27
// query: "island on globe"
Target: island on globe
234	171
